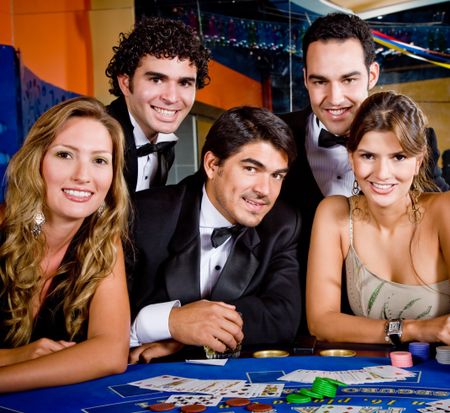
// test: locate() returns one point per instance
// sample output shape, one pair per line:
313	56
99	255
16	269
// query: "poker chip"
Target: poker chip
310	393
238	402
420	351
443	354
297	398
259	407
401	359
161	407
324	387
193	408
335	382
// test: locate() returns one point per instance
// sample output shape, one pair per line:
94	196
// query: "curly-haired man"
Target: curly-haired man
155	72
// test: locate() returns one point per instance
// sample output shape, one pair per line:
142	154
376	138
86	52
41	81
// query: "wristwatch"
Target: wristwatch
393	330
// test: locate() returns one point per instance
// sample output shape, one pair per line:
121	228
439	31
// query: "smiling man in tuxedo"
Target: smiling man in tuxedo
216	255
155	72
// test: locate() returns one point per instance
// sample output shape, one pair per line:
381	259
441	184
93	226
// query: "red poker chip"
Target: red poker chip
238	402
259	407
161	407
193	408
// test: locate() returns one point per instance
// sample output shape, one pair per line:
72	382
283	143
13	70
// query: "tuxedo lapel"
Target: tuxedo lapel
182	269
239	269
118	109
165	161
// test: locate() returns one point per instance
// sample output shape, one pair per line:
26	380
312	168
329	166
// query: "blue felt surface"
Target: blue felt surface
112	394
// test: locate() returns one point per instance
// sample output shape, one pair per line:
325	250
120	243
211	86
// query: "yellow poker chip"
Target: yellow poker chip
270	353
338	352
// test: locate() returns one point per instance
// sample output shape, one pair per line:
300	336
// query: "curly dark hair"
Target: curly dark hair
162	38
340	26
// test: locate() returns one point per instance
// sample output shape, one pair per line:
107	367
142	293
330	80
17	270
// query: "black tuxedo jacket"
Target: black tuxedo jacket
261	278
118	110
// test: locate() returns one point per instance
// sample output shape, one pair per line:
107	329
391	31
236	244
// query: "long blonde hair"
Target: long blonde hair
21	253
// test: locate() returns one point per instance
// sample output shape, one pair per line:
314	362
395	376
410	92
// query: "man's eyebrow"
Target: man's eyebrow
156	74
164	76
254	162
262	166
313	76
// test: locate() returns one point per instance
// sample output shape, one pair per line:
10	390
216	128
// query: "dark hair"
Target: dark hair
243	125
340	26
392	112
162	38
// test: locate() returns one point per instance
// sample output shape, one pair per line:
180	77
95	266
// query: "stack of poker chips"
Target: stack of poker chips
419	350
443	354
402	359
322	387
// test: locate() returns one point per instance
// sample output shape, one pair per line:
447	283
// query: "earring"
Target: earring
39	220
356	189
101	209
416	213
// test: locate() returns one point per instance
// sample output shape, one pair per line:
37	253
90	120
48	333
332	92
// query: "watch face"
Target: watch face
394	327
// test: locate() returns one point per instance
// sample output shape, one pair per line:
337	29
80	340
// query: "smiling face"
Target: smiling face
160	94
383	171
246	185
77	170
338	81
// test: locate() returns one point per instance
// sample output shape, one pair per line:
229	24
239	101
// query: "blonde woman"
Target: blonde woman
64	312
393	237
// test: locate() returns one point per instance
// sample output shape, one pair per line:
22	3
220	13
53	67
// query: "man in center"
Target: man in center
200	284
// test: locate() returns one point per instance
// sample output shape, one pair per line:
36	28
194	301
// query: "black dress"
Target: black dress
50	321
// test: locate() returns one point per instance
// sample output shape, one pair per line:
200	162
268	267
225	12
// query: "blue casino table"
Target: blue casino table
113	394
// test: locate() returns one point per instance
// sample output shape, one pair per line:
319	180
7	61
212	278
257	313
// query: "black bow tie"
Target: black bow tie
220	235
149	148
328	139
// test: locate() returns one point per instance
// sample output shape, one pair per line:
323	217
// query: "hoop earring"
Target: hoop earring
39	220
356	189
416	214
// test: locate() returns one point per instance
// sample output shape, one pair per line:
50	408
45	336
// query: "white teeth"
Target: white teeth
165	112
336	112
79	194
382	186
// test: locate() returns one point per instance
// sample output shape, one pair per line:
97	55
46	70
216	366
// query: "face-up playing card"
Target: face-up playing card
168	383
186	399
390	372
441	404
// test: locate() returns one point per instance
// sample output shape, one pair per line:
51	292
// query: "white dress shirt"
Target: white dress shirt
152	322
147	165
330	166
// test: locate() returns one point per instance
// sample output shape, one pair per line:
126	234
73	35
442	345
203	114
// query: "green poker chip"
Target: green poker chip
335	382
297	398
323	387
310	393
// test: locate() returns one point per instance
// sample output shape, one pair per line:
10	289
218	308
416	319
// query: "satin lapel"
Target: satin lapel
239	269
182	269
118	109
165	162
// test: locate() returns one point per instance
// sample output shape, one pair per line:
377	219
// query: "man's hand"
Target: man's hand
146	352
207	323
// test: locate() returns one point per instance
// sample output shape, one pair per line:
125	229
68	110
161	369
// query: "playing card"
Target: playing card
186	399
390	372
162	382
442	404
